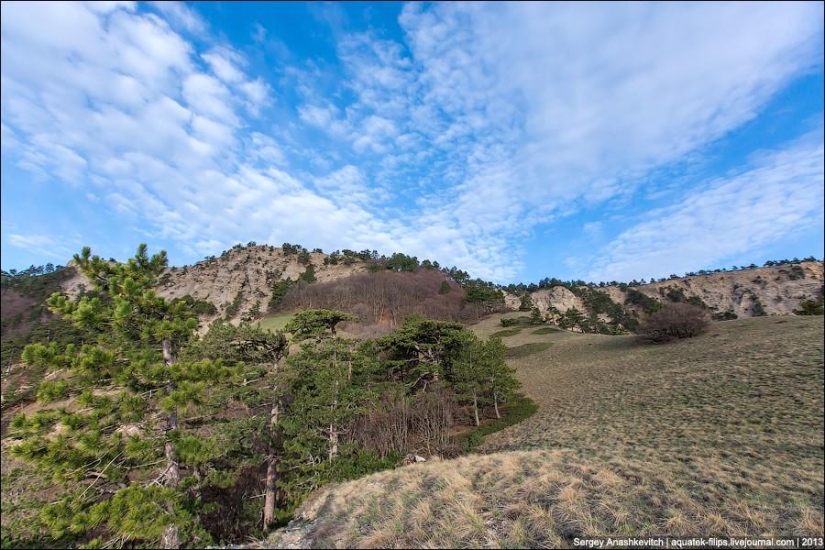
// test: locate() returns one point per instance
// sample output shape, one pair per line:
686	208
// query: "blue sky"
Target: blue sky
514	140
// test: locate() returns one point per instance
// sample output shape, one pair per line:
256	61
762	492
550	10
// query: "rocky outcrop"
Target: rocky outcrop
776	290
245	274
557	297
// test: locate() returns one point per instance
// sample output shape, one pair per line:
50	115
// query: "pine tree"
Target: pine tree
248	344
423	350
130	394
502	381
330	384
482	376
471	376
315	323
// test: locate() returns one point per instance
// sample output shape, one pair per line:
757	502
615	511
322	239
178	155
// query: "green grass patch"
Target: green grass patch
526	349
505	333
519	408
278	322
545	330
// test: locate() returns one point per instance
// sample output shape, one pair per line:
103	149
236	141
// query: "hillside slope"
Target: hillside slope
245	275
778	289
721	435
752	292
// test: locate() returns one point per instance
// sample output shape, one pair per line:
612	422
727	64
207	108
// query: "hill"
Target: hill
247	282
241	276
241	282
742	293
628	439
720	435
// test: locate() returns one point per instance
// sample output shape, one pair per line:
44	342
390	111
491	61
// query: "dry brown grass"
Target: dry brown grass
720	435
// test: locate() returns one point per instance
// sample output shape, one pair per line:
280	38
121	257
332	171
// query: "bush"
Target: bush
308	276
729	315
757	309
200	307
526	303
52	391
650	305
679	320
810	307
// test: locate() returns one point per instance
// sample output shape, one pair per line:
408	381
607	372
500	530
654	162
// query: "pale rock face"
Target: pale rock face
511	301
558	297
252	270
779	289
776	290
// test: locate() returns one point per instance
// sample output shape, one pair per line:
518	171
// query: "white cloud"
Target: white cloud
44	245
7	139
257	93
528	112
24	241
107	6
209	97
224	62
265	149
489	120
323	117
181	16
782	194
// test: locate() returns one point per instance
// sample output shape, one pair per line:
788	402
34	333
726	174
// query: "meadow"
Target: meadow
720	435
275	322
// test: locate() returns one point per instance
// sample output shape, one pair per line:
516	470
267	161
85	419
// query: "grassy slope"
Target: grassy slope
719	435
275	323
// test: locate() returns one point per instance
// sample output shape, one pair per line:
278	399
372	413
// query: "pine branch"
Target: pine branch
100	475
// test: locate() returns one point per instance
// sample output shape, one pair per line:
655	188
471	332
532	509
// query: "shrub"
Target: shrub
232	309
729	315
508	322
677	320
52	391
757	309
650	305
526	303
796	273
200	307
810	307
308	276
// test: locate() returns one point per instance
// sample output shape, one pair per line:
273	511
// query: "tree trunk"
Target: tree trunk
269	501
333	433
270	496
333	442
170	538
495	403
475	408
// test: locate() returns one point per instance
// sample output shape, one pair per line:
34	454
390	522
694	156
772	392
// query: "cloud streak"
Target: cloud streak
780	195
456	140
